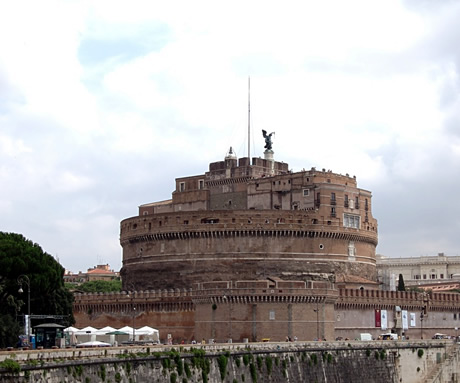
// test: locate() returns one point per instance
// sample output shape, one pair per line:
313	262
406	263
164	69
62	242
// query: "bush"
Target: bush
222	362
420	352
11	366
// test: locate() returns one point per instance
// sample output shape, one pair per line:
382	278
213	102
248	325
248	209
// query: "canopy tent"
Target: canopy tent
112	335
95	343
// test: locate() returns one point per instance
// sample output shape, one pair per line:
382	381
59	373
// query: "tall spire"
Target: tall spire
249	119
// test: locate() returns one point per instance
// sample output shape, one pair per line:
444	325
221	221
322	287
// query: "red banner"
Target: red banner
378	321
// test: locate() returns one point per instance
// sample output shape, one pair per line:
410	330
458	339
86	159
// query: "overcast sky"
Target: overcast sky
103	104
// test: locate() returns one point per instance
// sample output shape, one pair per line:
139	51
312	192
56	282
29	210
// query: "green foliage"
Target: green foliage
243	377
48	296
173	377
79	370
100	286
314	358
166	362
180	366
377	355
383	354
259	362
188	373
269	364
222	361
418	369
246	359
401	286
117	377
237	361
420	352
253	370
103	372
11	366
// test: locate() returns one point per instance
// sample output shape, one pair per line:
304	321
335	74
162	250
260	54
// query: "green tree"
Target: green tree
401	286
100	286
48	296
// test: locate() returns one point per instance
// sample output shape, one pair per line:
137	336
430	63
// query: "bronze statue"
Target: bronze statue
268	139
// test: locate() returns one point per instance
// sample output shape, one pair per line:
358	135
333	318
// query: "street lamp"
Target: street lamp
317	319
25	279
134	311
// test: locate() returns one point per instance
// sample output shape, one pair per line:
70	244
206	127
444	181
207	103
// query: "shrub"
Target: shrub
269	364
259	363
246	359
222	363
188	373
420	352
11	366
253	370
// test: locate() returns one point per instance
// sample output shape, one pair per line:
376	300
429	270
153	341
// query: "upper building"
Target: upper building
438	273
96	273
251	219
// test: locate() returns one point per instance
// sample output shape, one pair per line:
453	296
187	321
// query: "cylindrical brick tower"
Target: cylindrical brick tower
248	221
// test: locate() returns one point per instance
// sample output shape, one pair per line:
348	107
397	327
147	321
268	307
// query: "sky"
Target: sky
104	103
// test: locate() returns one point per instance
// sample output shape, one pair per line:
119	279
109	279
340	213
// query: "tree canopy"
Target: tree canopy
100	286
48	296
401	286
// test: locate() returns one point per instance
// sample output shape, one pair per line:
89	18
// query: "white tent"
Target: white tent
91	334
71	329
105	330
95	343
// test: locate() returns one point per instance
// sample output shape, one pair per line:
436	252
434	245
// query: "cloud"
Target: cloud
102	105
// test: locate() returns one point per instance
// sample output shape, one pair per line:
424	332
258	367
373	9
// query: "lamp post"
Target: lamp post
317	318
421	325
133	310
25	279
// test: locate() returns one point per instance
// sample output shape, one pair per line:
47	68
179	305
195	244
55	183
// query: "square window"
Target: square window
306	192
272	315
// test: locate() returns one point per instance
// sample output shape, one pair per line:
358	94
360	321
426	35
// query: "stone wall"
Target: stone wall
387	361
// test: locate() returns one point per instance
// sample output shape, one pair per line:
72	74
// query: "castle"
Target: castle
251	250
245	220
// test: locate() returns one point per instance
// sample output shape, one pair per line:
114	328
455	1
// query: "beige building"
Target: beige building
439	271
97	273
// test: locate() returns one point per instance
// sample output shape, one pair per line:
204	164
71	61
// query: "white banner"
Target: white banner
383	319
405	320
412	319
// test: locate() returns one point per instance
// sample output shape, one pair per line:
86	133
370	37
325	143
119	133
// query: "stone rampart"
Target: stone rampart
373	361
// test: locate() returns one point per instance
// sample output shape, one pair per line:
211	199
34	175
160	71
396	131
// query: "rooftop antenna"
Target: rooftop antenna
249	119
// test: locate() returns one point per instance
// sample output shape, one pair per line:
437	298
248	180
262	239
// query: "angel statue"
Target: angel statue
268	139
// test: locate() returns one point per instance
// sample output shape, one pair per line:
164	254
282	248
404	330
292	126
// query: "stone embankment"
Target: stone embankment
374	361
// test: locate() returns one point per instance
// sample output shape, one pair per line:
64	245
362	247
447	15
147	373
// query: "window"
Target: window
424	276
332	198
351	249
306	192
356	203
201	184
345	203
441	276
182	186
272	315
350	220
332	211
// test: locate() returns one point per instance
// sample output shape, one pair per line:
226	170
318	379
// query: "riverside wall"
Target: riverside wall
433	361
